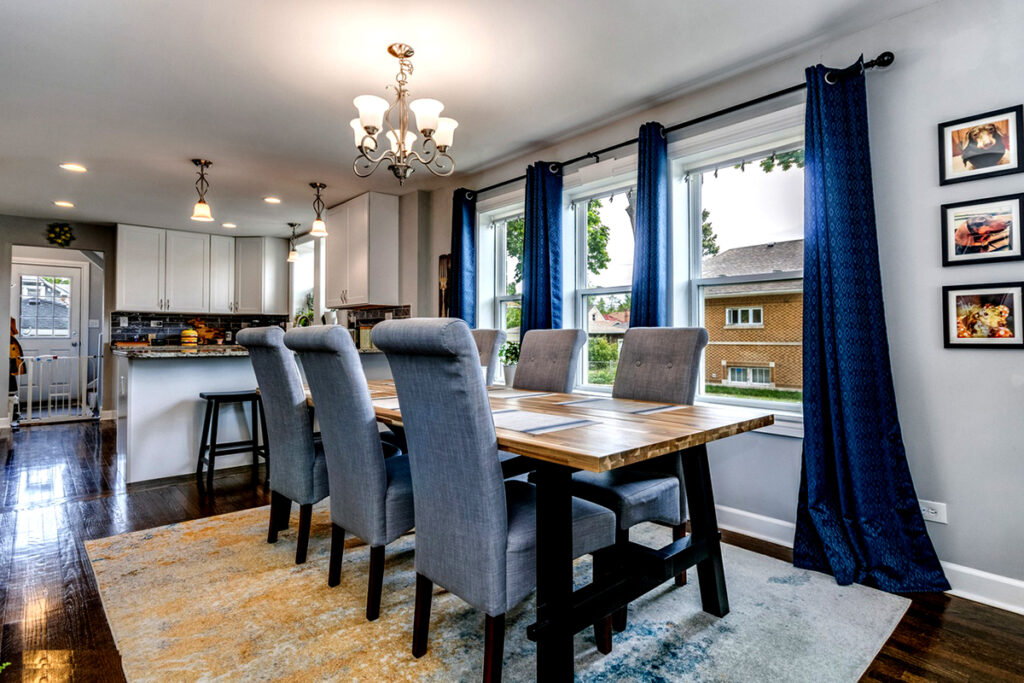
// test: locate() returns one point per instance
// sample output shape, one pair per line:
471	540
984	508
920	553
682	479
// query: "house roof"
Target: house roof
773	257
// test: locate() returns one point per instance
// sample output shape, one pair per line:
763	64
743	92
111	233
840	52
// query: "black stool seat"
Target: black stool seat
210	447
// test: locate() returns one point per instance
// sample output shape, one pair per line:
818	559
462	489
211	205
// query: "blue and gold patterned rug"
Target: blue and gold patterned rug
211	600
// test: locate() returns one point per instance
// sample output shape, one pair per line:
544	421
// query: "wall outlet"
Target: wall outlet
389	315
122	321
933	512
156	323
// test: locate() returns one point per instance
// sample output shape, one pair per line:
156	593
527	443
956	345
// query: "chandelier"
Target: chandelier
375	113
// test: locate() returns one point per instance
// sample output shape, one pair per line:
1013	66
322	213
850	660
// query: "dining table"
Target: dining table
564	433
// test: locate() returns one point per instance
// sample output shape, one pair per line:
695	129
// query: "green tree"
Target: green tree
597	243
783	160
513	317
709	240
600	349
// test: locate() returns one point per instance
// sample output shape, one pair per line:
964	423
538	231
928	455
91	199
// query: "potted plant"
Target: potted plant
509	355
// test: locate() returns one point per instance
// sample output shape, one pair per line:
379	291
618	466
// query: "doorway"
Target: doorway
53	307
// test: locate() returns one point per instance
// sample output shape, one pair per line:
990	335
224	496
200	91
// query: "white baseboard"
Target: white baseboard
990	589
108	414
758	526
966	582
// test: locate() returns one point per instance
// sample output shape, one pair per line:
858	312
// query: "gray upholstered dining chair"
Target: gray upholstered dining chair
371	495
655	364
488	342
300	472
475	532
548	360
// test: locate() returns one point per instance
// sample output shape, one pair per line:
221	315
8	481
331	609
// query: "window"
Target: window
743	317
45	306
508	242
604	253
748	223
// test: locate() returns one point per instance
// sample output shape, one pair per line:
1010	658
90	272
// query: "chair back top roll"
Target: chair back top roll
660	364
548	360
488	342
355	460
458	490
289	424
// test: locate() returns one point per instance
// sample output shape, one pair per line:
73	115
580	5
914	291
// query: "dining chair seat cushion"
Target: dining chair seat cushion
513	465
634	495
593	528
390	449
398	507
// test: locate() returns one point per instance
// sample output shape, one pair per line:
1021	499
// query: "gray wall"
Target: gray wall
960	409
15	230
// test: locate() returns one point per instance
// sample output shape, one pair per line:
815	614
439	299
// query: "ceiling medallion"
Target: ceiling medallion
375	114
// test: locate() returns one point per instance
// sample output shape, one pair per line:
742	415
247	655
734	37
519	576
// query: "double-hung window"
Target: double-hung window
508	272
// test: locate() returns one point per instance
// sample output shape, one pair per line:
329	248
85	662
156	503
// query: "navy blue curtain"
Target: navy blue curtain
462	276
542	248
649	307
858	516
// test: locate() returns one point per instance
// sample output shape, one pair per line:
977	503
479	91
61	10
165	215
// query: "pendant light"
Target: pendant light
319	227
293	255
201	210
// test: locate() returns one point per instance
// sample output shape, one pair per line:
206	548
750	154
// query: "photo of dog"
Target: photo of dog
983	145
982	230
987	315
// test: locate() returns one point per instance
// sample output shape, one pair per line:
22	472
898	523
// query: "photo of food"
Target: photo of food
987	315
984	145
982	230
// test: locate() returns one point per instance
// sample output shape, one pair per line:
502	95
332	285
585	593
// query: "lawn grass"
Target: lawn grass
751	392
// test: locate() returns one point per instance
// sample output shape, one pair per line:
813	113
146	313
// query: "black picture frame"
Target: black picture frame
1015	253
951	340
1017	134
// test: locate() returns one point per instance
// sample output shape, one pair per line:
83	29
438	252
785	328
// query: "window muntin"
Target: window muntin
744	317
45	306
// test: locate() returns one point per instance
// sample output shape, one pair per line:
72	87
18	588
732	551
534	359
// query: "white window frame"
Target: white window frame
750	317
748	371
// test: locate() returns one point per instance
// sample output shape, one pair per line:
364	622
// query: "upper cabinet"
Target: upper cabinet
362	252
261	275
188	272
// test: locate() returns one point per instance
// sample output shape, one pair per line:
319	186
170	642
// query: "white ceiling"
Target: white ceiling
135	88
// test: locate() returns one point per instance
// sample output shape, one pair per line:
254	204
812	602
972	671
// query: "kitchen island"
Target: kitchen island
160	414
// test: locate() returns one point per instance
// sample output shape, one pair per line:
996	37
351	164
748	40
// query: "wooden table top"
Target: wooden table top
610	438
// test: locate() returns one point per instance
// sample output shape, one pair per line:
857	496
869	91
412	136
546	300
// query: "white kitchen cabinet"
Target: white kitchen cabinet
222	274
361	261
187	272
261	275
140	268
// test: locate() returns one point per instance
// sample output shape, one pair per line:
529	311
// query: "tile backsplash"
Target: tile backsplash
167	327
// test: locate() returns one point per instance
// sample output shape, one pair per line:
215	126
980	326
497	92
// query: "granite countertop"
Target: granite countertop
208	351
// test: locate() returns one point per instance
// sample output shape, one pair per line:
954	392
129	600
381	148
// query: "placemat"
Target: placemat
529	422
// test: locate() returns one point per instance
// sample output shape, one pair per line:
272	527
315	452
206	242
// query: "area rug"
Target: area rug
210	600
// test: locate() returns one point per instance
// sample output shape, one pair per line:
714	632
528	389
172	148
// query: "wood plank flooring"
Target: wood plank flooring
62	485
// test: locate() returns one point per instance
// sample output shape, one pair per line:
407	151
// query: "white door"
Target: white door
140	268
46	302
222	274
188	272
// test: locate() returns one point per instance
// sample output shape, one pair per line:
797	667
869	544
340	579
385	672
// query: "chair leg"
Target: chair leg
421	616
280	511
337	548
603	627
494	647
305	517
619	616
266	440
376	584
254	435
679	531
204	445
213	447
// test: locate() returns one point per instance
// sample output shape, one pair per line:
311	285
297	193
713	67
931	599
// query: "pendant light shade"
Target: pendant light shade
319	227
293	255
201	211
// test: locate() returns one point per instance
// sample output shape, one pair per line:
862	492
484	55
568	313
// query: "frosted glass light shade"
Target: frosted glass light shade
319	228
360	135
410	140
371	111
293	255
427	112
445	133
201	212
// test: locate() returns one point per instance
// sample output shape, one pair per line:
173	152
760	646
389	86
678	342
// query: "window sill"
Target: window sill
743	327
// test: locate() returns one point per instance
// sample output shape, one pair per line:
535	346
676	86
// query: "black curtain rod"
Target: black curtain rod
883	60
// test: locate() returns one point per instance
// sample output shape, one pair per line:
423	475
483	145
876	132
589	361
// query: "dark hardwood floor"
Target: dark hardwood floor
62	485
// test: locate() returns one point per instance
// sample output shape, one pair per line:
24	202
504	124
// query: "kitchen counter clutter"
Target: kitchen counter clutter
155	352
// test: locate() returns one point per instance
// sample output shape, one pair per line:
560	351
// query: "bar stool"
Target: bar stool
209	448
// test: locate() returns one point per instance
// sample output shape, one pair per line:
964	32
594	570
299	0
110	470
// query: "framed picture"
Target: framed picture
986	316
982	231
981	146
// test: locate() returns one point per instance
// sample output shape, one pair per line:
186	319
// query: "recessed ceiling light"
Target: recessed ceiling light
64	204
272	200
74	168
229	225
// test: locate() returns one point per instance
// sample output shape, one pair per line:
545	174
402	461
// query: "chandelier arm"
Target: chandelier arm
371	166
363	153
441	172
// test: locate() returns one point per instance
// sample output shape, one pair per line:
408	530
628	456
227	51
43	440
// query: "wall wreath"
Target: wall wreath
59	234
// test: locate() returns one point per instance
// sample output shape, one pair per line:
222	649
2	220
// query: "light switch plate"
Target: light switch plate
933	512
94	323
